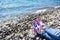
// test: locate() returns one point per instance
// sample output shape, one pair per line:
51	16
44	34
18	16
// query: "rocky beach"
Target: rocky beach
21	28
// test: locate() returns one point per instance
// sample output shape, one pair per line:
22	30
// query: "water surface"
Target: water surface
8	7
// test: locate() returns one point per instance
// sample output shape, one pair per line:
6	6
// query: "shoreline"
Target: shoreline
43	10
39	9
34	12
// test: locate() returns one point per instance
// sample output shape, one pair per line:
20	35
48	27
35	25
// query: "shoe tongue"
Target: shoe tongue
39	21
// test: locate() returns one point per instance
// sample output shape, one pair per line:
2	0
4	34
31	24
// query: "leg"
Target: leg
51	33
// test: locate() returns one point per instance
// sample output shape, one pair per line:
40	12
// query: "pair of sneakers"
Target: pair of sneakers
38	26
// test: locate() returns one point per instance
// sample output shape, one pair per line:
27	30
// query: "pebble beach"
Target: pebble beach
21	28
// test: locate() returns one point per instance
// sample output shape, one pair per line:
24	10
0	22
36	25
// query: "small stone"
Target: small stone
9	36
1	35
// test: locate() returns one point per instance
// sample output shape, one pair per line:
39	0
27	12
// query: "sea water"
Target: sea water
14	7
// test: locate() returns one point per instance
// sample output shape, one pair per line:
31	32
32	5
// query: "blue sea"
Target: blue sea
14	7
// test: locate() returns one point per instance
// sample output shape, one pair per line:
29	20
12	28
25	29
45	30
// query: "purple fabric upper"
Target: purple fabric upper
37	24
